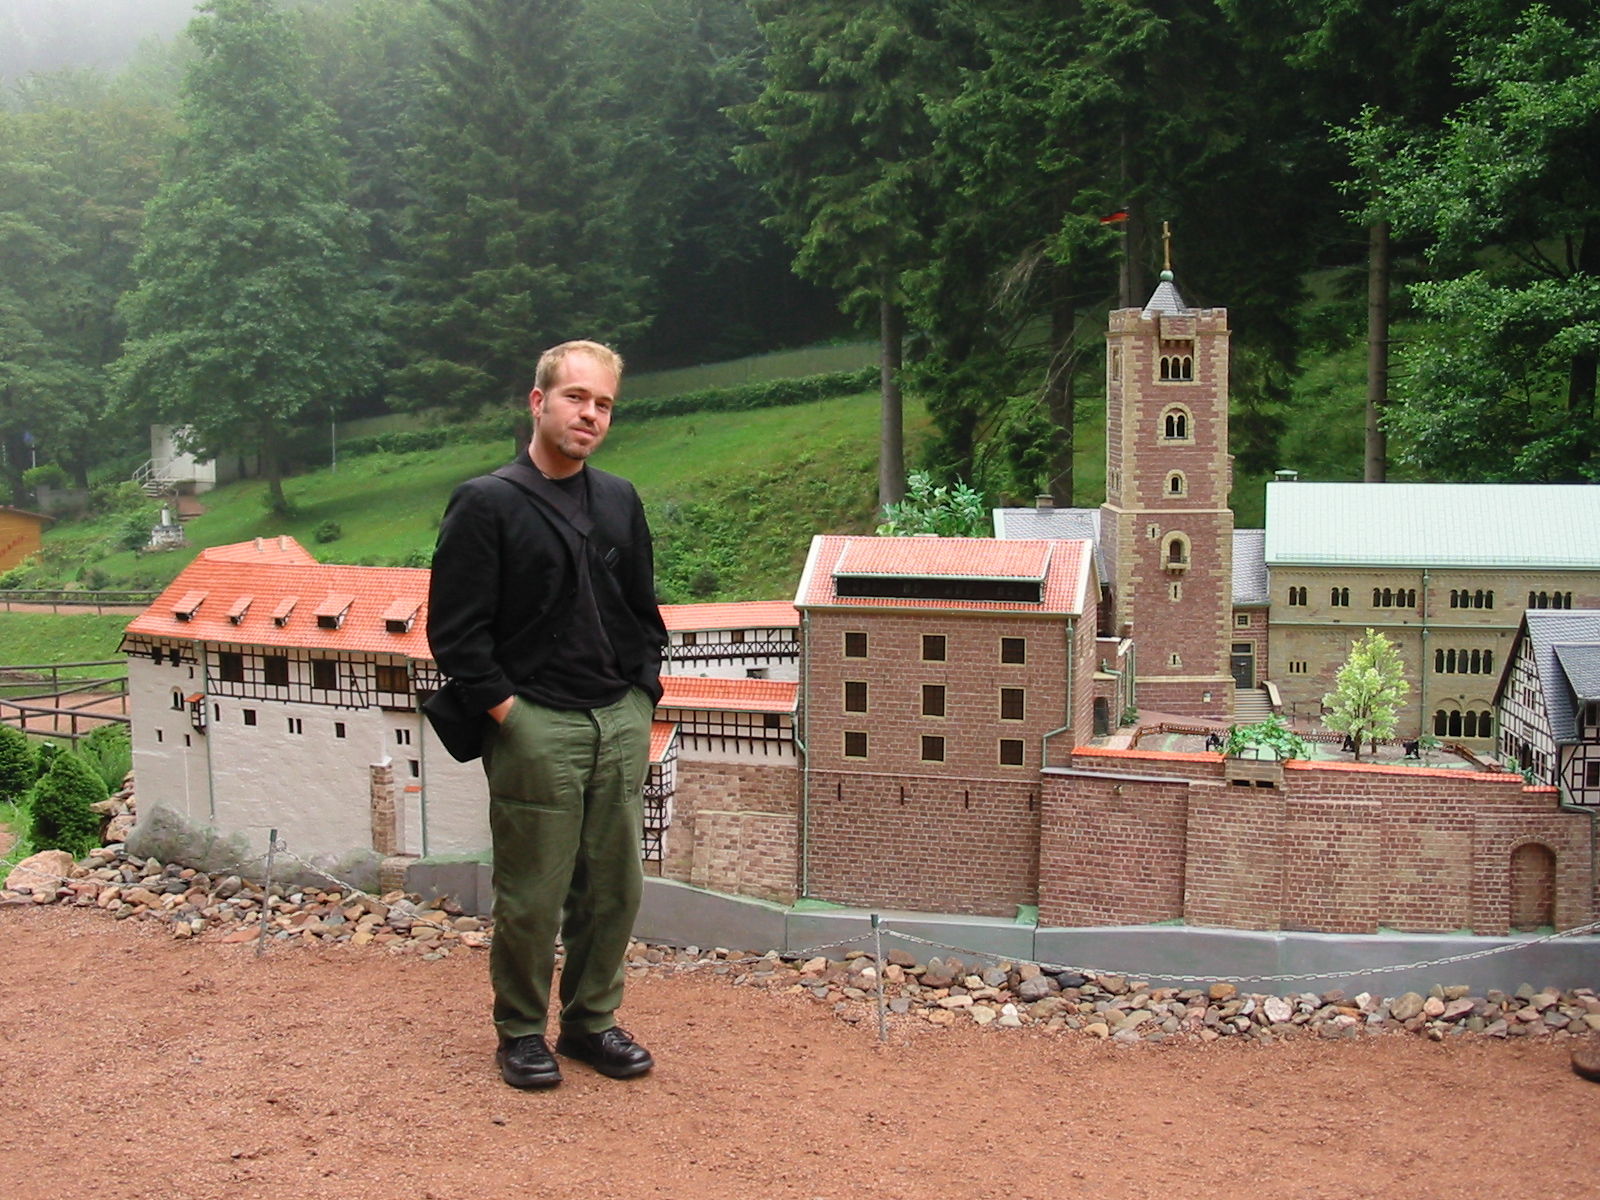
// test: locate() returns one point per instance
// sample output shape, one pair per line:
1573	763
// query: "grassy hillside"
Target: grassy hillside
33	638
742	491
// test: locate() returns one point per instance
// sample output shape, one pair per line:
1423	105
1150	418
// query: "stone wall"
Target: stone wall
735	828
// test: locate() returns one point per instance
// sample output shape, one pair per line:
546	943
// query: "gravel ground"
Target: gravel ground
143	1067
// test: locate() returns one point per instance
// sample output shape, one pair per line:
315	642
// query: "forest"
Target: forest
287	214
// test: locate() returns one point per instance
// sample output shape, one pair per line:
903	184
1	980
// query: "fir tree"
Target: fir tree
16	764
248	317
62	818
1367	692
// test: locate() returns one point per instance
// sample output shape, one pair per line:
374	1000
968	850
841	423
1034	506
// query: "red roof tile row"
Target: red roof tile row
729	695
753	614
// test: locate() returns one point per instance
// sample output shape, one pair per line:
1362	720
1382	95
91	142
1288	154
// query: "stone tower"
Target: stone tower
1166	531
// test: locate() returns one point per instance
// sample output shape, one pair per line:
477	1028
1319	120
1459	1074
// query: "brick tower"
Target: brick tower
1166	531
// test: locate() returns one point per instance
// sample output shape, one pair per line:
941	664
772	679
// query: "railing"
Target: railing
59	598
152	479
18	675
81	719
704	652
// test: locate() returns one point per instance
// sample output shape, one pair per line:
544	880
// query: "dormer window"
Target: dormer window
398	617
1177	425
185	609
331	612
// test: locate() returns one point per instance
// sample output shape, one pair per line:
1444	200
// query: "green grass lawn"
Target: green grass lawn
33	638
782	364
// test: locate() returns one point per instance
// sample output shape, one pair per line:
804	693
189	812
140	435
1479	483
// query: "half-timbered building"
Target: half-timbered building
1548	703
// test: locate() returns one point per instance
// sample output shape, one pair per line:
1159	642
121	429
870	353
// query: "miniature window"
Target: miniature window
855	645
1177	485
325	674
691	639
1116	365
1013	704
1013	650
855	695
1177	367
177	700
1011	752
932	749
1242	620
338	729
1536	600
1177	425
416	768
933	700
230	666
737	636
1175	591
275	670
1339	597
1176	555
855	744
933	647
402	737
1297	597
249	716
1297	666
297	725
392	679
771	721
160	737
1591	776
1174	660
156	654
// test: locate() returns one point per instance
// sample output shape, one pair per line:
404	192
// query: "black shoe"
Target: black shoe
611	1052
526	1062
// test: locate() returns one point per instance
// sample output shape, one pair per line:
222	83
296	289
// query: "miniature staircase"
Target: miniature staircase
1251	707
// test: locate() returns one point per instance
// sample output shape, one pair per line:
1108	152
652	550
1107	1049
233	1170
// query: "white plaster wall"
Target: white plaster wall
167	772
458	800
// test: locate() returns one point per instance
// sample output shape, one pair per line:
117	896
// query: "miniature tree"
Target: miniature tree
62	817
109	752
16	764
44	758
1273	734
949	512
1367	693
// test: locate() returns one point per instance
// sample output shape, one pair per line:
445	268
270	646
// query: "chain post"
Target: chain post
877	946
266	894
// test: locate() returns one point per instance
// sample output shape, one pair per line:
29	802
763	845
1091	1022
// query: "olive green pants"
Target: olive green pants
566	812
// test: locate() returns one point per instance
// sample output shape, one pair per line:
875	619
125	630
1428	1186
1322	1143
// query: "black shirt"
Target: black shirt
582	670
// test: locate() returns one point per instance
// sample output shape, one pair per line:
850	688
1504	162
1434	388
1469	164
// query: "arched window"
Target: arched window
1533	599
1177	485
1488	598
1176	556
1477	663
1438	662
1455	722
1176	425
1377	598
177	700
1544	600
1450	662
1469	724
1488	662
1441	724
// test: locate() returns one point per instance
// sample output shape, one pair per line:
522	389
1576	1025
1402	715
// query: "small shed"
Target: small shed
20	533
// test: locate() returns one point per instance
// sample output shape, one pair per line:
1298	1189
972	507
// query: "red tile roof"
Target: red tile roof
1063	565
728	695
754	614
661	735
944	558
262	550
274	575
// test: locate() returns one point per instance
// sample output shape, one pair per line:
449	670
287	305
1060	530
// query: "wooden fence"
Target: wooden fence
74	599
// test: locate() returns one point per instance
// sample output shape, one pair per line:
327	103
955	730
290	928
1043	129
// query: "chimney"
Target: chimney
1284	475
1044	502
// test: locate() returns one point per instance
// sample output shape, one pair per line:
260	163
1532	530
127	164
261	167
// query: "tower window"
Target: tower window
1177	368
1174	660
1176	554
1177	425
1177	485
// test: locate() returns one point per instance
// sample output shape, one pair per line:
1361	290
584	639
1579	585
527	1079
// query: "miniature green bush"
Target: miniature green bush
50	475
44	758
16	765
110	752
62	818
328	531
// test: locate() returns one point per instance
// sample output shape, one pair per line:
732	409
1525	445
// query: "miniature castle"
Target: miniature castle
924	727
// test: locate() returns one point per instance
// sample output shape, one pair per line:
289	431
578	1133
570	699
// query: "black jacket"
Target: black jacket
504	581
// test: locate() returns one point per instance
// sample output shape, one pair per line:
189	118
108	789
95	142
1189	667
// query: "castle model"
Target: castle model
933	723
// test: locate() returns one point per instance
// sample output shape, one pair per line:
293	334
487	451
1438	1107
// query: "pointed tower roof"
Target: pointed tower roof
1165	299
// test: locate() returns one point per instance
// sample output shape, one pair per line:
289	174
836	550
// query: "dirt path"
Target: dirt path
145	1068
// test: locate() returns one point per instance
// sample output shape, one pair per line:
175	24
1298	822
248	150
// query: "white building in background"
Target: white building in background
270	691
179	471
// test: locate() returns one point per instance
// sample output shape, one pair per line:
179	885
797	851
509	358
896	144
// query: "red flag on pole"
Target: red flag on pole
1116	218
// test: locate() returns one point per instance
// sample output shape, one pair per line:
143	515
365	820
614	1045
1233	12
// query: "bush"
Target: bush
135	531
5	492
44	758
49	475
328	531
110	752
16	765
62	818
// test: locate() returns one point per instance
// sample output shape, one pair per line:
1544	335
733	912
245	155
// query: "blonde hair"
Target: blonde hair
549	368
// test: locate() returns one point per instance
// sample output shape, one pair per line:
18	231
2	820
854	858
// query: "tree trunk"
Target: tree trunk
1581	374
1377	457
272	470
1134	292
891	437
1060	396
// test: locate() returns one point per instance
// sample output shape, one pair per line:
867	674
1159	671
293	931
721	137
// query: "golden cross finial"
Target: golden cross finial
1166	245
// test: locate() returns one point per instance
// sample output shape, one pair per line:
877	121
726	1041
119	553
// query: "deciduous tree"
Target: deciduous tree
1367	692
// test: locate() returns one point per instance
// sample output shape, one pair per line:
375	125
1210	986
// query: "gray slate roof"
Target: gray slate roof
1251	585
1166	299
1251	582
1557	636
1495	525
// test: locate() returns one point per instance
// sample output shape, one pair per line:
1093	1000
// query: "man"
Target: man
542	614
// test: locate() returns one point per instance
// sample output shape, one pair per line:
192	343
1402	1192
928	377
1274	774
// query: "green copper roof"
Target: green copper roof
1434	525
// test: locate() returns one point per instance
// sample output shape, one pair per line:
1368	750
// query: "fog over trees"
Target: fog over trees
46	35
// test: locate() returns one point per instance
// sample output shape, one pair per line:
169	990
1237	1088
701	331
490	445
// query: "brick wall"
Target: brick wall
929	844
735	828
1339	848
